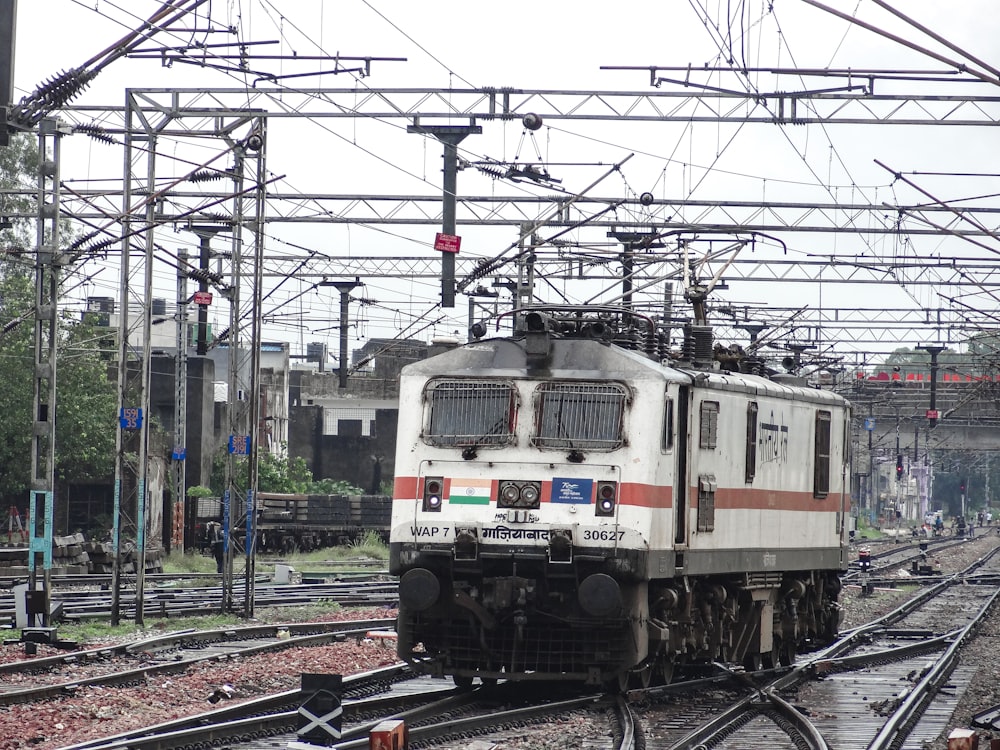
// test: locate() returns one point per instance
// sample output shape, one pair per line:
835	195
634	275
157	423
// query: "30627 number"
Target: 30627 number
603	535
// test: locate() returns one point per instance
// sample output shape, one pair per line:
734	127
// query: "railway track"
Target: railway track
878	687
436	716
885	559
165	601
897	664
885	677
38	679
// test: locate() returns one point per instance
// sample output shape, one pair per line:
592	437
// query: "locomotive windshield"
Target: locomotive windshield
470	413
580	416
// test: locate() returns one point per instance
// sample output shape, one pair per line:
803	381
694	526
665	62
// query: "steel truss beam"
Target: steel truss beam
190	114
676	213
568	265
673	102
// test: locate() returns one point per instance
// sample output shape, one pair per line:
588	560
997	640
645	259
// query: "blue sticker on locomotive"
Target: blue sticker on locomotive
572	490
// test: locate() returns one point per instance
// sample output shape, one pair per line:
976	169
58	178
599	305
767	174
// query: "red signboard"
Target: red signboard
447	243
933	414
203	298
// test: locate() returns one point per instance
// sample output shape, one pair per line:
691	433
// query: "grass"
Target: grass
100	631
865	531
369	547
179	563
97	631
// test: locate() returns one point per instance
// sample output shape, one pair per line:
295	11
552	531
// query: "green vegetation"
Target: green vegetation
179	563
99	631
288	475
86	398
864	531
368	547
371	545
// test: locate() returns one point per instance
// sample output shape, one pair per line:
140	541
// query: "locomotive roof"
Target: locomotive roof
576	358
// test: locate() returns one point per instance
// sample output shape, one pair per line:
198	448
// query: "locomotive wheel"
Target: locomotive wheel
786	652
643	678
753	662
617	684
771	659
462	682
666	670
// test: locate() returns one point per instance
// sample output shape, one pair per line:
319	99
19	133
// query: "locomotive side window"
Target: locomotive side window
465	412
751	470
667	439
709	424
579	416
821	470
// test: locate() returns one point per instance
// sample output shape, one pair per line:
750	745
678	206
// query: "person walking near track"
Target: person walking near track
215	540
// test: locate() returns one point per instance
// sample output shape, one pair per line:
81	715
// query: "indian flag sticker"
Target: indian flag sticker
470	491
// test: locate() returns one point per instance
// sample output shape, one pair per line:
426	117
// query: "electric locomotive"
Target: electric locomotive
577	502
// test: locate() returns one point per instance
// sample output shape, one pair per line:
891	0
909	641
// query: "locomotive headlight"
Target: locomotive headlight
433	487
607	496
518	493
510	493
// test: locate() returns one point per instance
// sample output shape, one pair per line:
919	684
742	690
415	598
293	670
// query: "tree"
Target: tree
277	474
18	170
86	403
85	397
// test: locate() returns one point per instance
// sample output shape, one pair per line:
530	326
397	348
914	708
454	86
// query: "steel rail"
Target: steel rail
329	632
805	728
900	724
274	705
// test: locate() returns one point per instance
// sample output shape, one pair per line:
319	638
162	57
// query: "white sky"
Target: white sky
559	46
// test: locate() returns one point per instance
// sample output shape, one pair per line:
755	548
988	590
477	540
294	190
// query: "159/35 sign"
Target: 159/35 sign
130	418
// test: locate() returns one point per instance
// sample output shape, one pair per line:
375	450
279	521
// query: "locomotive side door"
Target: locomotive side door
681	467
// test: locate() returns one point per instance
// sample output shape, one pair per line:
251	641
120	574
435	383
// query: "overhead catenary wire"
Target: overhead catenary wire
995	79
498	260
65	86
375	227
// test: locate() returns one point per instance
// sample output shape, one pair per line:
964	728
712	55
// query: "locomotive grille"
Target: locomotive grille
466	413
582	416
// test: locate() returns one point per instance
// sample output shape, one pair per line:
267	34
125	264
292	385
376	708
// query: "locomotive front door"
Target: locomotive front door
681	468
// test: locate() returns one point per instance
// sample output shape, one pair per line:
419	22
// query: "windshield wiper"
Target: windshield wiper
471	451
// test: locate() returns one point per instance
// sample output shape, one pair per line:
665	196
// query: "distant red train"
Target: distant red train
571	503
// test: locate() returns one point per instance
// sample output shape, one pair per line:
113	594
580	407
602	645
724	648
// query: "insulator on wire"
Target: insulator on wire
96	132
82	239
203	274
51	95
95	248
495	172
206	175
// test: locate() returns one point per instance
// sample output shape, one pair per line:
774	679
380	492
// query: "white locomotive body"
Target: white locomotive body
565	508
